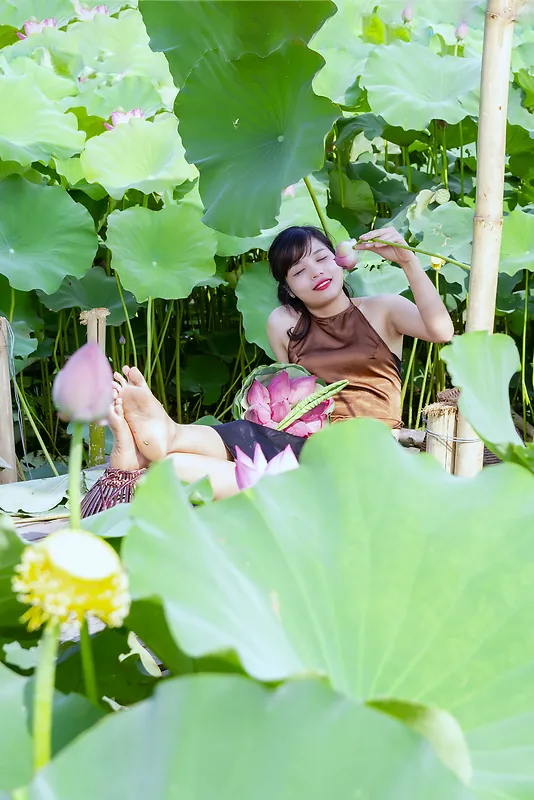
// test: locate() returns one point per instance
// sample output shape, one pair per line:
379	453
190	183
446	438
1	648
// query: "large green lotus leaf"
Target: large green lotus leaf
482	365
300	742
71	716
11	548
339	43
35	128
94	290
119	47
385	279
448	231
33	497
52	85
45	235
253	127
517	113
161	253
312	571
256	299
71	169
297	209
125	93
409	85
517	247
143	155
184	31
16	12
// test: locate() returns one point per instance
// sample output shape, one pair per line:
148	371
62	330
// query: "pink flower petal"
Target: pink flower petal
279	387
280	410
301	388
259	413
260	462
283	462
257	394
298	428
320	411
83	388
246	474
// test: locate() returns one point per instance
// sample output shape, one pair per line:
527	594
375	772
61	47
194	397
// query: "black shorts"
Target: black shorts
246	435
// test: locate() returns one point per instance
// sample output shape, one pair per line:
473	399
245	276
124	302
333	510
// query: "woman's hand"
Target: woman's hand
400	256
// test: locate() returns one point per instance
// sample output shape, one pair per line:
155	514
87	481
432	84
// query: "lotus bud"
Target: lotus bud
33	26
289	191
346	255
461	31
248	471
120	117
83	389
122	340
407	13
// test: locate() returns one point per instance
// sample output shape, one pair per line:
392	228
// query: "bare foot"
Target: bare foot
152	428
125	454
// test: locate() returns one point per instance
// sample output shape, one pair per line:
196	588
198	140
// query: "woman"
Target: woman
317	325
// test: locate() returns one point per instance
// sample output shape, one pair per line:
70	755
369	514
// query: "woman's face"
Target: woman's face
316	279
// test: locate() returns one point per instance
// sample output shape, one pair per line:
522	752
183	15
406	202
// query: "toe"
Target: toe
119	379
135	377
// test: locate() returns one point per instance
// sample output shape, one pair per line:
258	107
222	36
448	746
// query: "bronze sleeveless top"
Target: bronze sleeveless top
347	347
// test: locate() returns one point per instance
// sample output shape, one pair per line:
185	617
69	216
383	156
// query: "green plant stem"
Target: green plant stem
423	385
407	164
317	206
88	664
38	436
148	364
127	320
163	332
179	316
525	399
386	165
75	468
408	371
461	161
44	695
423	252
445	163
12	306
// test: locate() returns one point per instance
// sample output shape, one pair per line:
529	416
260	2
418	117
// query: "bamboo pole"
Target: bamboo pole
487	225
441	433
95	319
7	435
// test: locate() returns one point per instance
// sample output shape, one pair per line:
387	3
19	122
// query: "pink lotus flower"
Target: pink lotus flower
269	405
461	31
407	14
33	26
120	117
83	389
346	255
313	421
89	13
248	471
289	191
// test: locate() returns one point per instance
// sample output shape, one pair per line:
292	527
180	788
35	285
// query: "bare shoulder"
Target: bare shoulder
282	318
280	321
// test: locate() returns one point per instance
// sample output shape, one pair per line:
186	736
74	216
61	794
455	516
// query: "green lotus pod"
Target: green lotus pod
309	403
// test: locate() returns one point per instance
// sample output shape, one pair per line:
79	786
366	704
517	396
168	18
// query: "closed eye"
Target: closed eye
322	259
295	274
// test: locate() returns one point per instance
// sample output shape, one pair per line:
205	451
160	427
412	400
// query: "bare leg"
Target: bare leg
191	468
155	433
125	454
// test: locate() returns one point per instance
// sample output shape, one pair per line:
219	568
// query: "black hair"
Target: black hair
290	246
